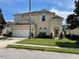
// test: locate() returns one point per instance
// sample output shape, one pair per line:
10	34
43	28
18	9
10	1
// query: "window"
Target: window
43	18
40	27
45	28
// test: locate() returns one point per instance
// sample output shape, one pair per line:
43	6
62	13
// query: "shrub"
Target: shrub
8	34
61	36
43	35
72	37
68	36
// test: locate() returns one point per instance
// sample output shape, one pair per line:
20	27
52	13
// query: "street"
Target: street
6	53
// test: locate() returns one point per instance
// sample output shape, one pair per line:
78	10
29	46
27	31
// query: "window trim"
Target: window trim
42	16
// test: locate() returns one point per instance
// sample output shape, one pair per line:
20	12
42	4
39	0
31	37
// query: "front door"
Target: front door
56	31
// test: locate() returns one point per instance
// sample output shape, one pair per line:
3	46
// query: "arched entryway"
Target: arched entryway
56	31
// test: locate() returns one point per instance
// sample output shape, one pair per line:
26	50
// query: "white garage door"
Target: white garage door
20	33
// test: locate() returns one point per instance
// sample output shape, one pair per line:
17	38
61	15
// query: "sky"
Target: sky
60	7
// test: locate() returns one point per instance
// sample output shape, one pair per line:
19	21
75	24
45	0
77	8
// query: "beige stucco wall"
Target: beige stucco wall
36	18
56	22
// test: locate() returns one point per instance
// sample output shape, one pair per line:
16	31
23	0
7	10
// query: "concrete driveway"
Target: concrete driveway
10	40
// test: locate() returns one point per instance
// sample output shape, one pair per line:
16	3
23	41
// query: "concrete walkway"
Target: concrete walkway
10	40
32	45
37	45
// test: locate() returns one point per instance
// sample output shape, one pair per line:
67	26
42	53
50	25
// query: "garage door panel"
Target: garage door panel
20	33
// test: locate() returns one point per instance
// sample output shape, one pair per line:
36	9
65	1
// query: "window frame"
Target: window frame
42	18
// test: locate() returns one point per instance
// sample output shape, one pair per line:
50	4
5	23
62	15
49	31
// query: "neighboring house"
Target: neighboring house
67	31
73	31
42	21
8	27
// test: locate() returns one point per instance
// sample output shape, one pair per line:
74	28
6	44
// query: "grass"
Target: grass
62	50
48	42
69	44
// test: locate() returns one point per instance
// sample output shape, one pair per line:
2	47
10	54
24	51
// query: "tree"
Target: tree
73	19
76	10
2	21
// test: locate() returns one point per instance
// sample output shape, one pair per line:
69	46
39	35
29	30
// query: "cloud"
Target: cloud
11	7
9	20
61	13
64	4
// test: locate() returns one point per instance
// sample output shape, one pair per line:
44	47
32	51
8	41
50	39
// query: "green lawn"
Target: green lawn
50	42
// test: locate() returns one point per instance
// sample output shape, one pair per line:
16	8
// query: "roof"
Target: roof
9	24
41	11
57	16
23	24
35	12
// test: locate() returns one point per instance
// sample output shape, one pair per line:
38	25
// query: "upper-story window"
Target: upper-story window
44	18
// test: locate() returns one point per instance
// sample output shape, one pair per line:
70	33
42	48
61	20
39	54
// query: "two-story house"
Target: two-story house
42	21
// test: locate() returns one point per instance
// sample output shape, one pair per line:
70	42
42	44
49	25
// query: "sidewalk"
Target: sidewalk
32	45
37	45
